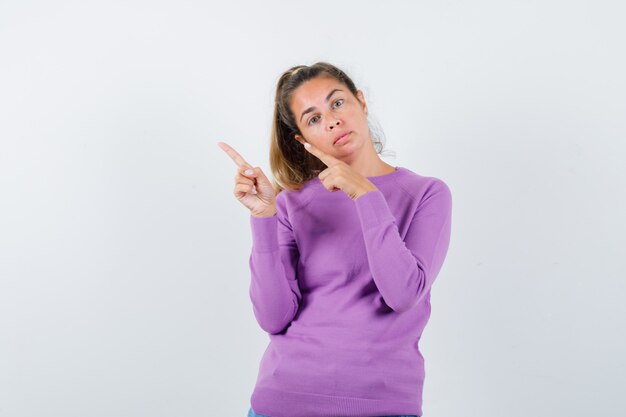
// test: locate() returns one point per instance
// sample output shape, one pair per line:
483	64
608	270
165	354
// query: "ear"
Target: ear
300	139
359	95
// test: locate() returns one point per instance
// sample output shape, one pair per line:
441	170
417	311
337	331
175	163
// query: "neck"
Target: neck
369	164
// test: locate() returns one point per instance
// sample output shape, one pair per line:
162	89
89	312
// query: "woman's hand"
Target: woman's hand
253	190
340	176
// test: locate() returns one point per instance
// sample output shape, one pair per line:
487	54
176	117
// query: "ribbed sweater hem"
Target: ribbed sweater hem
274	403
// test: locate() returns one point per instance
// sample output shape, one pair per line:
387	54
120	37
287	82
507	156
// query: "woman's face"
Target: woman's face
325	109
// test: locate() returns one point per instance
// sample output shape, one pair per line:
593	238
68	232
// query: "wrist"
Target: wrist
364	191
270	213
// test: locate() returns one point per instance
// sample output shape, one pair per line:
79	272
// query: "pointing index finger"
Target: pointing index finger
323	156
234	155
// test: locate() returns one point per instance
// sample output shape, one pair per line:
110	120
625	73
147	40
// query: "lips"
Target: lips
341	136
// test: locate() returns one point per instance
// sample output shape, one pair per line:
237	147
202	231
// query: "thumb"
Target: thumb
261	179
258	174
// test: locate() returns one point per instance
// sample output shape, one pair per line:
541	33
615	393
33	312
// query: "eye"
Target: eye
311	120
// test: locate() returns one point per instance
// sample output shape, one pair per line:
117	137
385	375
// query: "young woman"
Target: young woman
345	249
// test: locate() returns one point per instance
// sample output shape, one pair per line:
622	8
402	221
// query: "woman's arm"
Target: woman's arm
273	261
404	270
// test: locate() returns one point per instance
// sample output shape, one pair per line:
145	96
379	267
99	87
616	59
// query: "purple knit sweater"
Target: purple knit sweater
342	287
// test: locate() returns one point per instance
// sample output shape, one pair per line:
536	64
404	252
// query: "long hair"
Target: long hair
290	163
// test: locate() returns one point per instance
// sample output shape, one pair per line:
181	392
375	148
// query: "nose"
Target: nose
334	123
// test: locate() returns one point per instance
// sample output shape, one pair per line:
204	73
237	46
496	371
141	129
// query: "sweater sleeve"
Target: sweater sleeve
404	270
274	289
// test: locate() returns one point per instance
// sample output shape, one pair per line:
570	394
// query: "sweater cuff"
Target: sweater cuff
373	210
264	233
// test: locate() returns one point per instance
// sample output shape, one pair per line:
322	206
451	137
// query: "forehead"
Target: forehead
313	92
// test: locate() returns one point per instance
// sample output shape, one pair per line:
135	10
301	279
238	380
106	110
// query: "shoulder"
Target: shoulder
290	201
421	187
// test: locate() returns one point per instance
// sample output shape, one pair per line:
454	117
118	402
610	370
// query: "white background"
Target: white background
124	270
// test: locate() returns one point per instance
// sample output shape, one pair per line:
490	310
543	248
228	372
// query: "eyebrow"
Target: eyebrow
310	109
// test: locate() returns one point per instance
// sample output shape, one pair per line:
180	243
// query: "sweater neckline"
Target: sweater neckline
379	179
